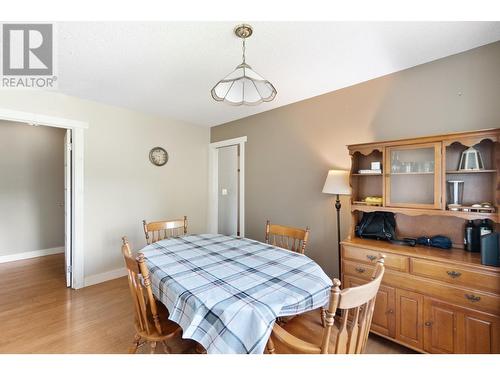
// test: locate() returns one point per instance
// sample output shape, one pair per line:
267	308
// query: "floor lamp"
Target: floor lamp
337	182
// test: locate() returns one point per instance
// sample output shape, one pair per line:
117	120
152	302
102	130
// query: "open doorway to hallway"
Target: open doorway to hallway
226	206
35	193
228	191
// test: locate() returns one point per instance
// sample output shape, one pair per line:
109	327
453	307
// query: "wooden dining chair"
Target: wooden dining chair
346	334
160	230
294	239
151	319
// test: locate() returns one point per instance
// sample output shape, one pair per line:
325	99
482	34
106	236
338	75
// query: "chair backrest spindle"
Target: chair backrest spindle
294	239
159	230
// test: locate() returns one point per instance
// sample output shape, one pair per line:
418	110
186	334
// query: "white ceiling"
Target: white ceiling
168	69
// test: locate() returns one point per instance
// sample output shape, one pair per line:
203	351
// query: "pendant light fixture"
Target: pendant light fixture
243	85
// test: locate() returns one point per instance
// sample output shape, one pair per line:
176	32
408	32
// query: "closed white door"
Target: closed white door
228	191
67	205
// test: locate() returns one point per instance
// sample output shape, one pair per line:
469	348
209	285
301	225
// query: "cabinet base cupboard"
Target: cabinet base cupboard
431	300
426	313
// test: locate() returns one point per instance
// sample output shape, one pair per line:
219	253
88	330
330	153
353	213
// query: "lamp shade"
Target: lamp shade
337	182
243	86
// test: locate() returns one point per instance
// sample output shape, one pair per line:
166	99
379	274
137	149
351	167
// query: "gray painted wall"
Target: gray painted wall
31	188
290	149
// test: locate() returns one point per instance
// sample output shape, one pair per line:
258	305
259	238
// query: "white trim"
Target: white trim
213	175
31	254
229	142
78	181
105	276
68	206
37	119
77	211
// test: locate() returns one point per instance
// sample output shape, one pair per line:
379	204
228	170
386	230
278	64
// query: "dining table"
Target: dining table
227	291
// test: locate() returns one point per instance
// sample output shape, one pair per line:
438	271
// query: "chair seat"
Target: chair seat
168	327
306	327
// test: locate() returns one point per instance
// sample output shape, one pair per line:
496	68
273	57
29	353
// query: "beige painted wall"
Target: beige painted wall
31	188
121	186
290	149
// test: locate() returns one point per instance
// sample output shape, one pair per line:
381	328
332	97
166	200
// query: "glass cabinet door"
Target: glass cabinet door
413	176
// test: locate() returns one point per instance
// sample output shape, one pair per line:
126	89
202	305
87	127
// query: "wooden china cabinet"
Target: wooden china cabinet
431	300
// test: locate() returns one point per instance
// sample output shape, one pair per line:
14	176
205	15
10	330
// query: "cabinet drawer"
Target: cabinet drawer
357	269
392	261
473	299
460	276
466	297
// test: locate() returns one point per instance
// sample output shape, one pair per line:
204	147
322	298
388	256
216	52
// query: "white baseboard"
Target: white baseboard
31	254
105	276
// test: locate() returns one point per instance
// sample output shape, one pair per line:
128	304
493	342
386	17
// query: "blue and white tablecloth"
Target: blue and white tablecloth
226	292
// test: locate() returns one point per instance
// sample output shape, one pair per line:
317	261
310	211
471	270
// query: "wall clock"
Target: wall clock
158	156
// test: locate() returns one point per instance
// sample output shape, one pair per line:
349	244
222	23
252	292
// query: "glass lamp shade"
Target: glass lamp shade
471	160
243	86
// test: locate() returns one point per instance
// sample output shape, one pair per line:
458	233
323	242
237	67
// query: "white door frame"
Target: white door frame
67	206
213	183
77	131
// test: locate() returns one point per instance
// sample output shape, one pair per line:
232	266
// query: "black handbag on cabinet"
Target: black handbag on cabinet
377	225
380	225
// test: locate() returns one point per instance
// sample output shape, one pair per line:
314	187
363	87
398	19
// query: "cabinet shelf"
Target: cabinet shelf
410	173
471	172
366	174
420	211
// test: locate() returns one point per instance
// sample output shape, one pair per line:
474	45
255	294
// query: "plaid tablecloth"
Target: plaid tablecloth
226	292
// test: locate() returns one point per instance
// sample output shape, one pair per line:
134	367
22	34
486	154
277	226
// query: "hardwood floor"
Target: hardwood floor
38	314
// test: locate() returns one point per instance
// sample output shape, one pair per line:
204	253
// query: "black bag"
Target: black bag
380	225
377	225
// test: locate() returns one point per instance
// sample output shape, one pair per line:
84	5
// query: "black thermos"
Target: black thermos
485	228
472	238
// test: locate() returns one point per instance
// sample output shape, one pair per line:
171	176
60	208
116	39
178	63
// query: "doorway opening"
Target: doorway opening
35	193
41	191
227	187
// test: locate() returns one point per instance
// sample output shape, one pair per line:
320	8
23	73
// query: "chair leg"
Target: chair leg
135	345
199	349
270	346
323	316
165	347
153	347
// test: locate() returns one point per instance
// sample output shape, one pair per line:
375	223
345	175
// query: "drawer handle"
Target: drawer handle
472	297
428	324
371	257
390	311
453	274
360	270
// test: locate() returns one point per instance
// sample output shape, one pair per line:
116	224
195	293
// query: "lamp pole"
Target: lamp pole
338	206
337	182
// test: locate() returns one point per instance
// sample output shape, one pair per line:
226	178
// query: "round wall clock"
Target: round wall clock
158	156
